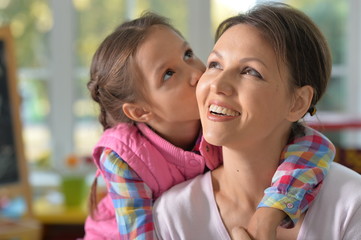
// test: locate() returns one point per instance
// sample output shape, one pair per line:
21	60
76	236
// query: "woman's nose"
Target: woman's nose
221	84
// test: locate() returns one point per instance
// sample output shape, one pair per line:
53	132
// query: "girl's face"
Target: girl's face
170	72
243	96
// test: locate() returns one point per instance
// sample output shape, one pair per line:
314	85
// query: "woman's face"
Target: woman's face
170	73
243	96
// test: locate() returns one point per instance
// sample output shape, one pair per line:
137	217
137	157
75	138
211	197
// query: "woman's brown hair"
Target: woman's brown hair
297	42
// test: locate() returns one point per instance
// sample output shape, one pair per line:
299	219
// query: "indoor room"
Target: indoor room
49	122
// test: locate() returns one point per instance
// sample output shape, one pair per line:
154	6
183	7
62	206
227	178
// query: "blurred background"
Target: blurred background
55	41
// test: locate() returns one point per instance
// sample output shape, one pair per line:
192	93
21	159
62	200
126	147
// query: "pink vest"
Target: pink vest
160	164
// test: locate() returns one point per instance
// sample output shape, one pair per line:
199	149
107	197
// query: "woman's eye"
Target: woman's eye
188	54
213	65
252	72
168	74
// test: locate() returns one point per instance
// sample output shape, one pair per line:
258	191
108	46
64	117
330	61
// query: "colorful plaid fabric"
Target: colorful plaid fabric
304	164
132	198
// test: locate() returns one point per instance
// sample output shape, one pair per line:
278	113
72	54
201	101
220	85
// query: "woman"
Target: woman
268	68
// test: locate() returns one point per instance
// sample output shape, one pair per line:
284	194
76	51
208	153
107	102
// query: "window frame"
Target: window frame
63	72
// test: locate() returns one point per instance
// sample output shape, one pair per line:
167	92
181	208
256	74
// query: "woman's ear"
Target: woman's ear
136	112
301	103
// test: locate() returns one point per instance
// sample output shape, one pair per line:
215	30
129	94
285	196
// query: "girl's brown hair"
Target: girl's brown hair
113	76
297	42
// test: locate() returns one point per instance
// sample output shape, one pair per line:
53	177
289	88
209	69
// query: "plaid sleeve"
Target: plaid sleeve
304	164
132	198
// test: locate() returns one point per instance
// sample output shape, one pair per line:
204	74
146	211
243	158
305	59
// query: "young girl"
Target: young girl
144	76
268	66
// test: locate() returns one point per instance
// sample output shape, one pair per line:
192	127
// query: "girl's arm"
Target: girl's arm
304	164
132	198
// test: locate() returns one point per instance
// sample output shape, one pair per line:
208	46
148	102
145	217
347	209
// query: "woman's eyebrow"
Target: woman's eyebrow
242	60
215	52
252	59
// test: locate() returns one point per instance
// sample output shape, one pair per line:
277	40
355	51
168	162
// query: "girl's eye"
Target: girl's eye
188	54
214	65
252	72
168	74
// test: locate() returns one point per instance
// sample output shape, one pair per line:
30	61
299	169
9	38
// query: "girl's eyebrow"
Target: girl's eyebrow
162	66
243	60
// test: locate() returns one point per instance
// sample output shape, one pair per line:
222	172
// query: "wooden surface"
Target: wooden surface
24	229
60	222
48	213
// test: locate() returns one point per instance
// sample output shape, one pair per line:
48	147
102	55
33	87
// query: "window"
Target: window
331	18
30	23
55	41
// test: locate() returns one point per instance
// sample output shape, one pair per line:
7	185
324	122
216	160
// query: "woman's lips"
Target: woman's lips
220	113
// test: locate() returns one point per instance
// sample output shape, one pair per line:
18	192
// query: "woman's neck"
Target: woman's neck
247	173
240	183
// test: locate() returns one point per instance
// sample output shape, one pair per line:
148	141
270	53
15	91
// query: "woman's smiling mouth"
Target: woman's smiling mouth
222	111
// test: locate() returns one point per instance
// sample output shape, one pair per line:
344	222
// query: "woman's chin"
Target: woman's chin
213	138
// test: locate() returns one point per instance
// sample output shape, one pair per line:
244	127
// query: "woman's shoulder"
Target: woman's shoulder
184	192
188	211
182	202
341	187
344	177
336	211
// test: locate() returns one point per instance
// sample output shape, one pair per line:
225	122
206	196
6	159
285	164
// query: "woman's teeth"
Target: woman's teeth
218	110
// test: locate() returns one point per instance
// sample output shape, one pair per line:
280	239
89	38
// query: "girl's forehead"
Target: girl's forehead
160	30
160	41
161	49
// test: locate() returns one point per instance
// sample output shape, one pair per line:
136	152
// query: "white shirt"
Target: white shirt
189	210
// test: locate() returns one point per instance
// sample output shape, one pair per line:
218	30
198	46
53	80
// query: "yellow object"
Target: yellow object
48	213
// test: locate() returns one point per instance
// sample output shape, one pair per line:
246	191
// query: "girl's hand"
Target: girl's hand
239	233
264	222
